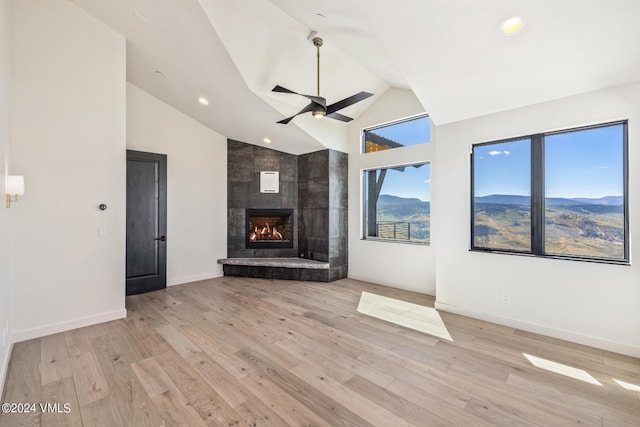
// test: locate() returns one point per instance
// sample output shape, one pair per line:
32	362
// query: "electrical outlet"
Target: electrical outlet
102	231
506	298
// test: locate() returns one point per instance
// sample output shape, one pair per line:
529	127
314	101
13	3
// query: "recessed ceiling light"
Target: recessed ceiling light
267	141
159	73
319	15
203	101
512	26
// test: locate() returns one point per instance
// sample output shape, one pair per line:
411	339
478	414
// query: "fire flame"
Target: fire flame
265	233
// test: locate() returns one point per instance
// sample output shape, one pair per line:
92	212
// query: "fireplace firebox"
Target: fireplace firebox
269	228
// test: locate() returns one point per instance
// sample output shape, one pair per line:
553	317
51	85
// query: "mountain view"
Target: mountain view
576	226
408	217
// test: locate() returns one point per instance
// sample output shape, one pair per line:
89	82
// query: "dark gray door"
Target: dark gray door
146	222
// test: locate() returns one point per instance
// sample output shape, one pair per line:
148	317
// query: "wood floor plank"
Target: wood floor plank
58	394
452	413
356	402
537	407
223	382
253	352
105	412
23	384
332	411
178	341
133	401
257	413
291	410
176	410
78	343
310	357
89	378
415	414
152	377
54	361
209	405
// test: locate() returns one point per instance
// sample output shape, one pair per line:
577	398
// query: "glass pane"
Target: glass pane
397	203
584	189
400	134
502	196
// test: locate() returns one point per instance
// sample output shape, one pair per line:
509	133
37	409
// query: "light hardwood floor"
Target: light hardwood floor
251	352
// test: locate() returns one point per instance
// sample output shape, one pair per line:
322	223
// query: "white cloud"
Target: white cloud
498	152
603	167
427	181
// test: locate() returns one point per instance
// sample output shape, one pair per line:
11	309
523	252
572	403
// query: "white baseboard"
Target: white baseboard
68	325
601	343
188	279
396	285
4	367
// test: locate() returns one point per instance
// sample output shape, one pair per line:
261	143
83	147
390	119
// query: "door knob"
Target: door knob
161	238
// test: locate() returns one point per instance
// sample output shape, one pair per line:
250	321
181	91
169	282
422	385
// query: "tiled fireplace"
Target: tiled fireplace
299	232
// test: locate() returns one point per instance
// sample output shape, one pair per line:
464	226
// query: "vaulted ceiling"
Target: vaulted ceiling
451	54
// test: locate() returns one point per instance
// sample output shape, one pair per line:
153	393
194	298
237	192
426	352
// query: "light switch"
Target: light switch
102	231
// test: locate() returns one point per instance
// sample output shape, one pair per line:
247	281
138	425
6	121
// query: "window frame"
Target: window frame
363	142
538	196
365	212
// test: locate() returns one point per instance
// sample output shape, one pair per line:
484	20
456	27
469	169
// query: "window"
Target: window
502	196
396	203
399	134
560	194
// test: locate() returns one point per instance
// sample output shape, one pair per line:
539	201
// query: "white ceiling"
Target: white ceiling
450	53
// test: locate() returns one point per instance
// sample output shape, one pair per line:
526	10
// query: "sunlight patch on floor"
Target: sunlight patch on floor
628	386
562	369
412	316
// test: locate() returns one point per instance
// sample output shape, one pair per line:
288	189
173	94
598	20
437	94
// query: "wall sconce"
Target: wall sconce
15	188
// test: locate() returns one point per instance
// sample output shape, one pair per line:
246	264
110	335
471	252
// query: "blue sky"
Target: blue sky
584	164
503	168
577	164
411	132
412	183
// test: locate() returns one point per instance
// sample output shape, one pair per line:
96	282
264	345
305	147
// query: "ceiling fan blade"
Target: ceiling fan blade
348	101
317	99
339	116
281	89
306	109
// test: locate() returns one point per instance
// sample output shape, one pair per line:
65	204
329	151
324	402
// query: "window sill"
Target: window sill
404	242
550	256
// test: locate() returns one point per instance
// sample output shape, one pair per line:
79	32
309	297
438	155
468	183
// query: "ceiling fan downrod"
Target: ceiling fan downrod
317	42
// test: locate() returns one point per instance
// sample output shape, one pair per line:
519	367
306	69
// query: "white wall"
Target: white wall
590	303
405	266
196	184
5	278
68	140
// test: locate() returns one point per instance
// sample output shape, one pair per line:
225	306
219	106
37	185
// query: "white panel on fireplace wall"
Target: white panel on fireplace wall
269	182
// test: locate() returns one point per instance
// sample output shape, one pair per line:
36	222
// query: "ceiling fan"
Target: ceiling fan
318	105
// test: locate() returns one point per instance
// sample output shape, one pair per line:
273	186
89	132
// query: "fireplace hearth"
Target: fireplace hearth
269	228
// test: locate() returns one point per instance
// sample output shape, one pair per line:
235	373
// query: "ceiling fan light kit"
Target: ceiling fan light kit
318	105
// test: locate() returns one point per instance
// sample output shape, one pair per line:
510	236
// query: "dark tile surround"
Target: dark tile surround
314	185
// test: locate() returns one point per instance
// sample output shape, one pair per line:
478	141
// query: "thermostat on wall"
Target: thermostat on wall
269	182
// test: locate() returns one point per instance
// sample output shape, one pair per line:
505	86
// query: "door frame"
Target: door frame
162	222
